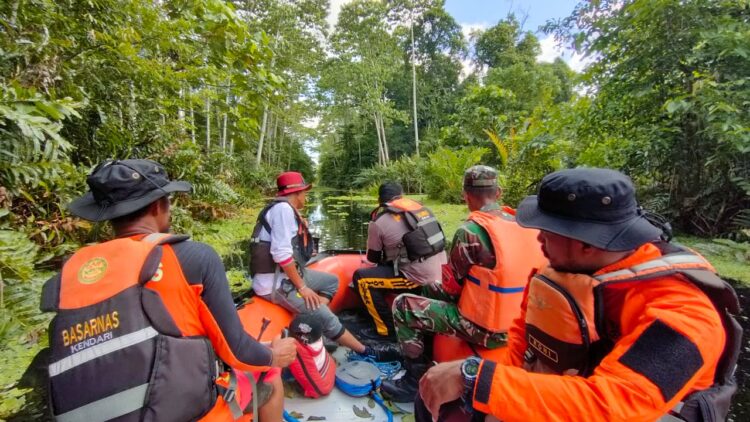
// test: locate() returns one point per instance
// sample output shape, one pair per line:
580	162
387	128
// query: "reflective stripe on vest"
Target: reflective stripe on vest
101	349
108	408
667	262
108	323
492	296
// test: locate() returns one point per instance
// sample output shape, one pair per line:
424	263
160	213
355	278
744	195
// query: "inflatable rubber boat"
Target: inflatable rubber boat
261	317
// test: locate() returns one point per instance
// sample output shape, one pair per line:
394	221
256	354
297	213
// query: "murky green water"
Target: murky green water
339	221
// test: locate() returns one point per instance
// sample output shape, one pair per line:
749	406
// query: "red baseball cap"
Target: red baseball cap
290	182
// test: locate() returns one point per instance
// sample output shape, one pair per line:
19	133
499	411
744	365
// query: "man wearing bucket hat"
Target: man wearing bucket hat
280	246
481	287
622	325
142	318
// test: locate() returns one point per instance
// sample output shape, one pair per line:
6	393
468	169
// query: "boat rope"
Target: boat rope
387	369
359	379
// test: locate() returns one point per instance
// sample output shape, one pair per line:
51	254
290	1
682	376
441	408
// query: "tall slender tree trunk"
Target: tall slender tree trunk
224	124
192	124
265	108
381	157
180	110
224	134
262	136
208	124
276	151
385	142
414	87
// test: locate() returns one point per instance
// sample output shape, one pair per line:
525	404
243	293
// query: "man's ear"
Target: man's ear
583	247
155	207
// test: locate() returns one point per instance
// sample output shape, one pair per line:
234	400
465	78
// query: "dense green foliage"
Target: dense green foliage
187	82
227	93
665	100
671	102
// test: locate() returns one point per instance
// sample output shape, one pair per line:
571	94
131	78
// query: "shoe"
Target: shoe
370	333
330	345
383	352
402	390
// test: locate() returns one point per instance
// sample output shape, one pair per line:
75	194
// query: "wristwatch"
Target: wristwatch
469	372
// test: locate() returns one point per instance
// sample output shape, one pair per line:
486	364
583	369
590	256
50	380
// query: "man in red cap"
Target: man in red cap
280	247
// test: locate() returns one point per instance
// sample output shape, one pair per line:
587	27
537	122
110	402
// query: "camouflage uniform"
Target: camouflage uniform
436	311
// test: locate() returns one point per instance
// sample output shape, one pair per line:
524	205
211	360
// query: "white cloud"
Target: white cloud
333	12
467	66
551	50
311	122
468	28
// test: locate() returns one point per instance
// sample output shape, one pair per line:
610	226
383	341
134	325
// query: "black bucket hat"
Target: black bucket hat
120	187
306	328
595	206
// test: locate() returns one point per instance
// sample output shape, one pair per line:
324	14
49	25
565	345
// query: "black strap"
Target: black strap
725	300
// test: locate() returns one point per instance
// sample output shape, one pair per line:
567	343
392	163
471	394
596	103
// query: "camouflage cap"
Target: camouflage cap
480	177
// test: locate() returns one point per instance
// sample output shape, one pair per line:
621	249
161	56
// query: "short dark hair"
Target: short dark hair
388	191
135	215
483	193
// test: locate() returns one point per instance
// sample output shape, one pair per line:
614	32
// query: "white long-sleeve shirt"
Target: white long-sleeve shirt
281	217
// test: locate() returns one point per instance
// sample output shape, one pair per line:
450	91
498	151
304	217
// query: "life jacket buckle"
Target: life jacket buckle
229	395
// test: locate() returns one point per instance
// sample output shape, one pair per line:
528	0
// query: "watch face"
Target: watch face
470	367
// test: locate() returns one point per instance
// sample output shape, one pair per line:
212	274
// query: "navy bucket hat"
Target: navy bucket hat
595	206
121	187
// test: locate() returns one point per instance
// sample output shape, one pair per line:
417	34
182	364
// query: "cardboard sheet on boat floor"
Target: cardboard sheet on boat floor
338	407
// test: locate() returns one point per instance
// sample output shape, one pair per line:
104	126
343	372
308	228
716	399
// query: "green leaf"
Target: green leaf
362	412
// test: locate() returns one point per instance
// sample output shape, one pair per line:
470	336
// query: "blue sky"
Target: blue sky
480	14
488	12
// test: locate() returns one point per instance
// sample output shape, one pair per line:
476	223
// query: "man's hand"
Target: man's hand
441	384
312	300
284	351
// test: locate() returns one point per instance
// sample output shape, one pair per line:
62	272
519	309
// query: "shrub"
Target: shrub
445	169
407	170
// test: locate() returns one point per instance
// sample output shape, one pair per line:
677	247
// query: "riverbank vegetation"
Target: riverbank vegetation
227	93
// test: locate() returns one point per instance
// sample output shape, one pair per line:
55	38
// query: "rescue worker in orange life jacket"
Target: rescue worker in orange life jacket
142	318
490	261
621	326
407	243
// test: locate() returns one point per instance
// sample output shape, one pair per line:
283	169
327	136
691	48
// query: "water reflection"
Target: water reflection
340	222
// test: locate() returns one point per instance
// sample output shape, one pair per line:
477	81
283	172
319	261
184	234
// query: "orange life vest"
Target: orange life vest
425	238
164	332
565	328
491	297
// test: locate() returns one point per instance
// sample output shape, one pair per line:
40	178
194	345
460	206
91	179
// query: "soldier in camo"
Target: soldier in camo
436	311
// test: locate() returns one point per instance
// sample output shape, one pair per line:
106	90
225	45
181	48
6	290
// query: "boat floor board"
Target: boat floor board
337	406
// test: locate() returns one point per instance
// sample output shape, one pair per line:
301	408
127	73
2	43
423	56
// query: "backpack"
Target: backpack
425	237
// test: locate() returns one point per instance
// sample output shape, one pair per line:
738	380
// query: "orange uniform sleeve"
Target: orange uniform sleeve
672	338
